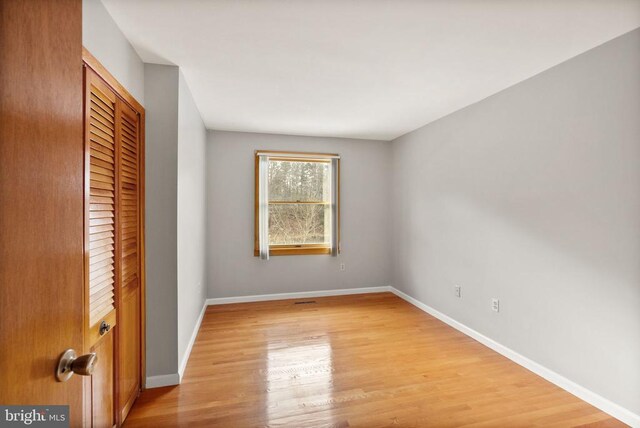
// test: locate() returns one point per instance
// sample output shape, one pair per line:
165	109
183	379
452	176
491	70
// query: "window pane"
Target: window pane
295	224
298	181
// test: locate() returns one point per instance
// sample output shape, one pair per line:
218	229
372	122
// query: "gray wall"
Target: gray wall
533	196
161	87
176	139
192	138
232	268
102	37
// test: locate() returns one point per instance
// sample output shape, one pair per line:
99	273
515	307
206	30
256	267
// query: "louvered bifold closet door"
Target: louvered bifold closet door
102	200
101	158
129	235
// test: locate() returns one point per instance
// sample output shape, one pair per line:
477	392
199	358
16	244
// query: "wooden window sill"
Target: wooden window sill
296	251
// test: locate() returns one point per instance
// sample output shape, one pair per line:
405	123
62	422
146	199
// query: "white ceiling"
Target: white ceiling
359	68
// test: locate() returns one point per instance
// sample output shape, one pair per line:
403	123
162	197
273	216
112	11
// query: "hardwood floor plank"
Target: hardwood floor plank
369	360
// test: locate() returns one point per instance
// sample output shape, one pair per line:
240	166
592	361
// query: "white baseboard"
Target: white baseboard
298	295
579	391
162	380
176	378
192	340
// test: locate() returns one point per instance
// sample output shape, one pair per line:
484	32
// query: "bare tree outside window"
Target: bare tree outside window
299	202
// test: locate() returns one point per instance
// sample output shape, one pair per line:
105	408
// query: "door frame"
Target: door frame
92	62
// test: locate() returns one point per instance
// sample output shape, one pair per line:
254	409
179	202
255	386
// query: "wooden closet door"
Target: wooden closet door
129	309
101	244
115	250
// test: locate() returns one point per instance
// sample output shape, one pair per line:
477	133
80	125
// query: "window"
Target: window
296	204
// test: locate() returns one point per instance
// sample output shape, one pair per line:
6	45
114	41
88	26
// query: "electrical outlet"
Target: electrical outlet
495	305
342	267
458	291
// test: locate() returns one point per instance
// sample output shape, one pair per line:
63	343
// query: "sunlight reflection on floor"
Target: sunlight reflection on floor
299	375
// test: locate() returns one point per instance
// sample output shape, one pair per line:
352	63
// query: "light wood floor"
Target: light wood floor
369	360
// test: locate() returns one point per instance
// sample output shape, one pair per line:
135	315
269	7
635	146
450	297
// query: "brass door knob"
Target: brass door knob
70	363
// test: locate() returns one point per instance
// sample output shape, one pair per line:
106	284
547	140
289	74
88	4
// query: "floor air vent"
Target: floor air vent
305	302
